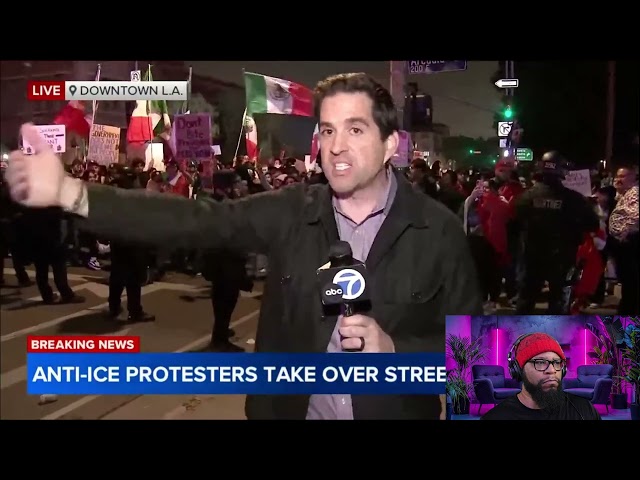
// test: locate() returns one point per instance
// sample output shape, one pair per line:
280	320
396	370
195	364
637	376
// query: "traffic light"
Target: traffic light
471	150
508	112
418	111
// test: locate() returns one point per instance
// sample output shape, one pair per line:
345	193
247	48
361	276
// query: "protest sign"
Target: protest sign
104	144
54	135
578	180
193	136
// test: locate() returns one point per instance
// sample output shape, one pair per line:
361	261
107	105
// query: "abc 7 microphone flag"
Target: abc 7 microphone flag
347	285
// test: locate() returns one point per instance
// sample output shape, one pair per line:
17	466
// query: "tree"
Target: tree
457	148
467	151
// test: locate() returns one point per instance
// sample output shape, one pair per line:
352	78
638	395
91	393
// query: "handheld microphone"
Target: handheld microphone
343	281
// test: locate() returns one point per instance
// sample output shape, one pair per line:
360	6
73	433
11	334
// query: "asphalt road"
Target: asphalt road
184	320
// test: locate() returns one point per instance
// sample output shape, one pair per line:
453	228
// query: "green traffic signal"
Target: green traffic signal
471	150
508	113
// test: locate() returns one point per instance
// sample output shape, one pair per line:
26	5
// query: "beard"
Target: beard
550	400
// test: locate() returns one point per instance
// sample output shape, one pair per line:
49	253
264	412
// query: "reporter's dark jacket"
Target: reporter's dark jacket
419	266
40	233
226	266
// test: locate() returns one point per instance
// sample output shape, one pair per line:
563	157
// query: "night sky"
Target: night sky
460	99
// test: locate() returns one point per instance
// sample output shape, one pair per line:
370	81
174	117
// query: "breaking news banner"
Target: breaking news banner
106	90
79	366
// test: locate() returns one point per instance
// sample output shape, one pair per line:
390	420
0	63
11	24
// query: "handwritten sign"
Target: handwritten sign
401	157
193	136
578	180
104	144
54	135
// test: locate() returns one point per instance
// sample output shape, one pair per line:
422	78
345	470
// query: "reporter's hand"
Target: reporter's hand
357	329
35	180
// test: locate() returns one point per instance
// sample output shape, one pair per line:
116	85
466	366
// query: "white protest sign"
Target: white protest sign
154	156
54	135
578	180
215	149
104	144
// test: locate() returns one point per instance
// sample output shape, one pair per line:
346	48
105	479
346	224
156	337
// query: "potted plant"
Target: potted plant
608	351
465	353
631	367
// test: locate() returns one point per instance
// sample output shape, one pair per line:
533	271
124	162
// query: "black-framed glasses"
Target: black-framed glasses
541	365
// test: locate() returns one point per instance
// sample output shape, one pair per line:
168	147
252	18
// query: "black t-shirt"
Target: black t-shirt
575	408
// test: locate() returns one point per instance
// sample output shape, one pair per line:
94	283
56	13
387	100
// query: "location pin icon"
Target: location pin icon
73	89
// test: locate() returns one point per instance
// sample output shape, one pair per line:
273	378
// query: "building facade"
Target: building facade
430	142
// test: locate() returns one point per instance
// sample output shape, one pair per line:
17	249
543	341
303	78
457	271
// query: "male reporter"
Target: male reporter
415	251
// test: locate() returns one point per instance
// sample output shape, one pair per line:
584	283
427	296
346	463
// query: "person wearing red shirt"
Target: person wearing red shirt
510	189
177	182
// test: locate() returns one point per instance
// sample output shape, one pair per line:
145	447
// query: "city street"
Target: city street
183	323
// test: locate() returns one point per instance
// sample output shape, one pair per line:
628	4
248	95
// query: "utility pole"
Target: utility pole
611	108
509	71
397	82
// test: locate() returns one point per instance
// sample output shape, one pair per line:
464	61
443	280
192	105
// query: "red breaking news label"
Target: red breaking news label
83	344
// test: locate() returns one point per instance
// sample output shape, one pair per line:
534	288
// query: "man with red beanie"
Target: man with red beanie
537	360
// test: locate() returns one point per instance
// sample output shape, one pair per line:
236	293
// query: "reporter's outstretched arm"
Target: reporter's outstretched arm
142	216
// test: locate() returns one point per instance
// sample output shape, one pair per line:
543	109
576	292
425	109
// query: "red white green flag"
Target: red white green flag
149	119
266	94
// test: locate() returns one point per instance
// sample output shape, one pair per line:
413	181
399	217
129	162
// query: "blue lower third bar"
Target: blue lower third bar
235	373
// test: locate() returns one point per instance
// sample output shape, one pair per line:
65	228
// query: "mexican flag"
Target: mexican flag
159	114
149	119
73	116
272	95
140	127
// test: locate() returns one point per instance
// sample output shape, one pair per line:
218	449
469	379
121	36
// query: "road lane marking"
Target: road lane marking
52	323
200	342
100	290
70	276
37	299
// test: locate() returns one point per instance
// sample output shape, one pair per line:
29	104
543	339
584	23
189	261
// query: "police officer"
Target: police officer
553	221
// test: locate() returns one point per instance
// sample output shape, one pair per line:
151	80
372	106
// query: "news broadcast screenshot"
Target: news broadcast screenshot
378	240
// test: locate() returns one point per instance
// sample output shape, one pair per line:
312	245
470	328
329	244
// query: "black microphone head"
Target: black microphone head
340	254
